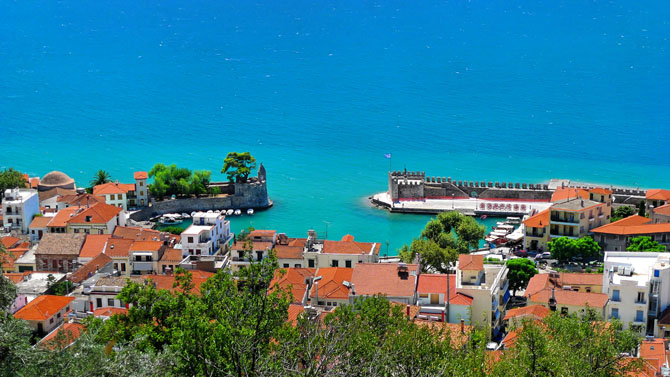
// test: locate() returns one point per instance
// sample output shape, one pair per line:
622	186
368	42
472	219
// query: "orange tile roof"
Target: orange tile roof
146	246
601	191
172	255
71	330
330	285
108	312
8	241
262	233
43	307
658	194
40	222
574	278
348	246
118	247
113	188
437	283
563	193
539	220
167	281
100	213
663	210
7	261
260	245
16	277
628	229
413	309
138	234
469	262
294	280
34	182
385	278
62	216
140	175
94	245
565	297
536	311
80	200
88	269
288	252
458	337
294	311
653	351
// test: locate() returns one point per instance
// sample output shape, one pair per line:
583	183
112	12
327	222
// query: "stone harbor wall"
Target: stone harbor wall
246	195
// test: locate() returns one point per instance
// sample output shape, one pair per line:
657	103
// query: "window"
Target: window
51	320
335	263
423	295
615	313
640	297
587	289
666	334
657	273
138	258
639	316
615	295
190	239
298	265
141	193
98	302
110	302
58	315
347	263
310	263
328	303
118	196
286	265
123	267
116	266
141	184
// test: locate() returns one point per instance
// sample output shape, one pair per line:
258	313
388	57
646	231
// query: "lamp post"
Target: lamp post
452	201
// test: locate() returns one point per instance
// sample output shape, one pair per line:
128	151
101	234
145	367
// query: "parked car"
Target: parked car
521	253
543	256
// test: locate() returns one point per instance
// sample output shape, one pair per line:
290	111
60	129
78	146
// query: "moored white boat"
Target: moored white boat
229	212
250	212
238	212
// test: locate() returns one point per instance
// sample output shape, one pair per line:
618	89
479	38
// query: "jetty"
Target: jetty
414	192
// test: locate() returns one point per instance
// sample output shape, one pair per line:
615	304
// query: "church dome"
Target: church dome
56	179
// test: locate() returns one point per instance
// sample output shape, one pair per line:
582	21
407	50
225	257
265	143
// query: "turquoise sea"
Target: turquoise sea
319	90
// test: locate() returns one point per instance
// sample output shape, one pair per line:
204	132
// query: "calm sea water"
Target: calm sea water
320	90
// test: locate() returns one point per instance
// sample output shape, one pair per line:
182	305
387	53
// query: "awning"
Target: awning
143	253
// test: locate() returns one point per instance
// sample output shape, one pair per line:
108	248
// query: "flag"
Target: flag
387	155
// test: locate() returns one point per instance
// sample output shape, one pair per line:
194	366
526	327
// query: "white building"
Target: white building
208	232
18	208
488	287
638	286
141	189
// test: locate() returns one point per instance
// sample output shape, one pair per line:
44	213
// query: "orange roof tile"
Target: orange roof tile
118	247
140	175
71	330
288	252
16	277
260	245
113	188
574	278
469	262
94	245
262	233
663	210
80	200
167	281
146	246
62	216
34	182
88	269
294	311
601	191
653	351
539	220
7	261
565	297
627	228
437	283
330	285
458	337
385	278
658	194
348	246
40	222
108	312
8	241
43	307
139	234
563	193
172	255
536	311
98	213
294	280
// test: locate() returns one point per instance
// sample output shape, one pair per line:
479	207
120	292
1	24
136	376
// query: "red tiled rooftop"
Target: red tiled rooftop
71	331
348	246
389	279
113	188
566	297
663	210
293	250
469	262
140	175
294	280
88	269
146	246
7	261
16	277
8	241
563	193
437	283
98	213
167	281
40	222
653	351
62	216
658	194
43	307
294	311
330	285
94	245
118	247
262	233
172	255
108	312
539	220
536	311
633	225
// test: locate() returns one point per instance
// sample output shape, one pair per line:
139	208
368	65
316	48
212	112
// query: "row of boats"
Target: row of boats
178	218
503	231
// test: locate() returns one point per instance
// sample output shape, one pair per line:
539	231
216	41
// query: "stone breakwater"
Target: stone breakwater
414	192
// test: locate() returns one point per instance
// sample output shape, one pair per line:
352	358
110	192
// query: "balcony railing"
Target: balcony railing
564	220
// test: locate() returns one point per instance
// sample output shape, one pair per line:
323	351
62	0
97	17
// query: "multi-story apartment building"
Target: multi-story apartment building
638	286
208	233
18	208
488	287
125	195
45	313
141	189
536	234
144	256
575	218
657	198
344	253
616	236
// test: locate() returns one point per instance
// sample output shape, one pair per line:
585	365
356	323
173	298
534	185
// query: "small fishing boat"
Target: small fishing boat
238	212
229	212
185	216
250	212
170	219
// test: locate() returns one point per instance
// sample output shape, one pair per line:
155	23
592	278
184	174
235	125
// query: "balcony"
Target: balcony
564	220
563	234
142	266
506	297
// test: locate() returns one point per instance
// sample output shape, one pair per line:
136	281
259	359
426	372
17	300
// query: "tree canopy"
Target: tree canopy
520	272
172	180
565	249
238	166
622	212
9	179
644	243
100	178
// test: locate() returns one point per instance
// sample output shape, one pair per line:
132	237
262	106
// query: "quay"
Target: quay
414	192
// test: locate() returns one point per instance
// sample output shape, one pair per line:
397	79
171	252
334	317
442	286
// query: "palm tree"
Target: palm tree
100	178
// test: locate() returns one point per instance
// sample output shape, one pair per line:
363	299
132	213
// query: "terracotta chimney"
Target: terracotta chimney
407	310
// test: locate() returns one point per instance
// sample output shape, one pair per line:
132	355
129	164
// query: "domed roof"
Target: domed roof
56	178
